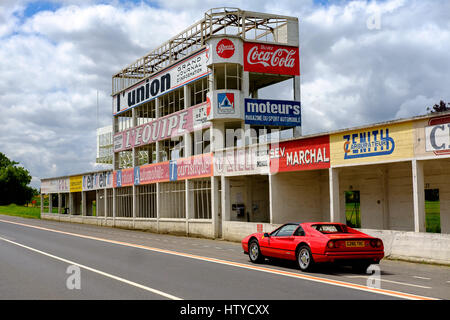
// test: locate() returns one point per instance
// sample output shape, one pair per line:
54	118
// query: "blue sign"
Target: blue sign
173	170
137	178
225	102
368	144
273	112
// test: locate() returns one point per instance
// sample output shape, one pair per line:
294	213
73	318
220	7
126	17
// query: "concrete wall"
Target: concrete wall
300	196
414	246
236	231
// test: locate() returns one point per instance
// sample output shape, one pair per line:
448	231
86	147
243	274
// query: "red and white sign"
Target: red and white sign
225	49
302	154
267	58
173	125
199	166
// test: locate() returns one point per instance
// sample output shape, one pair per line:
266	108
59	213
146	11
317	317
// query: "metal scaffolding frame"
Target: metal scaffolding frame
248	25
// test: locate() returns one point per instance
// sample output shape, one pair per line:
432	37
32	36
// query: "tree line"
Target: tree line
14	181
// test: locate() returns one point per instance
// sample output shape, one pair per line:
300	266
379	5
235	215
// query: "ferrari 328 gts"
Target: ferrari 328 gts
315	242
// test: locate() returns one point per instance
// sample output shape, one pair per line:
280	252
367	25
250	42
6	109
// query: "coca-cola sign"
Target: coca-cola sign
271	59
225	48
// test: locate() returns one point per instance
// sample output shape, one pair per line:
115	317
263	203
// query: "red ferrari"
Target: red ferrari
318	242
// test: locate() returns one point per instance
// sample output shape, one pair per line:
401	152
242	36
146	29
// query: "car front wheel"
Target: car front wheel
254	252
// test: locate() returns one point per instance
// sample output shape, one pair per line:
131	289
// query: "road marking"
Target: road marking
423	278
158	292
395	282
240	265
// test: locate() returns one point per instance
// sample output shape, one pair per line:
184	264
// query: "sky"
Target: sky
361	62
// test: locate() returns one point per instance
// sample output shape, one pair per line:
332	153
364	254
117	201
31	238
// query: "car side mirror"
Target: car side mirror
266	235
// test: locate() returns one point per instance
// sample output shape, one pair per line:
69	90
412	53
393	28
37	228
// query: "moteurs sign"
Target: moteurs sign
272	112
267	58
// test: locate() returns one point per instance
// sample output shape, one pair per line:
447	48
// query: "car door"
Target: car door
282	244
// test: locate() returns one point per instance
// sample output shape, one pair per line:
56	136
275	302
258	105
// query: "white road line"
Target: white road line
423	278
253	267
396	282
137	285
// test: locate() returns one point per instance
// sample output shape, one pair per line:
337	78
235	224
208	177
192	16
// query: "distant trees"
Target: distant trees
14	182
441	107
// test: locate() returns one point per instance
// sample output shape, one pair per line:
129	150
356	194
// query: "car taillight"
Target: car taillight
376	243
379	243
330	244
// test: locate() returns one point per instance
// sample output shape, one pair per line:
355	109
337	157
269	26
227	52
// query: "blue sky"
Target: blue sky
56	55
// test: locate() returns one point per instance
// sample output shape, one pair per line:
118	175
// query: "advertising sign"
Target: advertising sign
199	166
303	154
173	125
180	74
98	180
225	103
123	178
381	143
152	173
268	58
272	112
437	135
76	184
240	161
224	50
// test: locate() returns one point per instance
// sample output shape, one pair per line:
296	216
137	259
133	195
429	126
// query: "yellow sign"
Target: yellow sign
376	144
76	184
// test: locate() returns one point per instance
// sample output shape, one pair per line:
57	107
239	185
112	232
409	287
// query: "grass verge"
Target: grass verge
21	211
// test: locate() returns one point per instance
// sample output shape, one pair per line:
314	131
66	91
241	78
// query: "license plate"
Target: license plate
354	244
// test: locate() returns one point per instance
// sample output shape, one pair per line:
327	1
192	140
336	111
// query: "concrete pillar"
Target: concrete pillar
59	203
189	198
226	203
271	197
158	205
83	203
105	196
296	81
418	196
50	203
215	207
385	186
42	203
335	214
71	206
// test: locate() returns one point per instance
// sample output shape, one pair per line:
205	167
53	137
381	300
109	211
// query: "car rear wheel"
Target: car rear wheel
254	252
304	258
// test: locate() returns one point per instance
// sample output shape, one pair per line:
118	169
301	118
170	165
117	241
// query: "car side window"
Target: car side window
286	230
299	232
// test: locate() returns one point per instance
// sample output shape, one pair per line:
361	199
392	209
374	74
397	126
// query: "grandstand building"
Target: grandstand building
195	151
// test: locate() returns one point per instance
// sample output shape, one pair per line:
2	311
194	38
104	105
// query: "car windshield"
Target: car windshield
330	228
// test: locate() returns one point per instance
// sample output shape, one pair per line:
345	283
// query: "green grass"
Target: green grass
21	211
353	220
433	216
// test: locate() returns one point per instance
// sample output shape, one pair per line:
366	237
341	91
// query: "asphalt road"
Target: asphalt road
53	260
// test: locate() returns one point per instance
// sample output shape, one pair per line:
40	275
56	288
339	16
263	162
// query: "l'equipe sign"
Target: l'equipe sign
273	112
268	58
173	125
